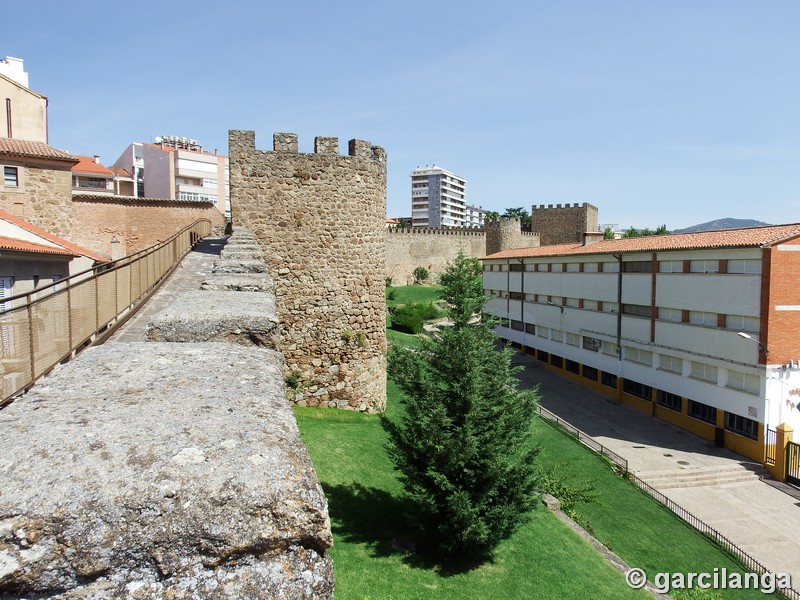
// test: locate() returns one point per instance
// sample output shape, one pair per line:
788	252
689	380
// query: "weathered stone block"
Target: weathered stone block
241	282
247	318
156	470
237	254
239	266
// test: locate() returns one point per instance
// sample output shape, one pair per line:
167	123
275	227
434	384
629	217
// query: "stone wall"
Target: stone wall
433	248
319	219
563	224
44	195
135	222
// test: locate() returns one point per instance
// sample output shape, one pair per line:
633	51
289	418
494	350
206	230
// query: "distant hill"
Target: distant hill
727	223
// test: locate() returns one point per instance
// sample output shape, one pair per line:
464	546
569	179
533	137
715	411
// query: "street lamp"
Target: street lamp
761	346
554	304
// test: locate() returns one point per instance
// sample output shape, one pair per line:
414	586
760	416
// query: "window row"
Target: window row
737	380
696	410
750	266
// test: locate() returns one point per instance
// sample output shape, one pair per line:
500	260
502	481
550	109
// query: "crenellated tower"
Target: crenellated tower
320	220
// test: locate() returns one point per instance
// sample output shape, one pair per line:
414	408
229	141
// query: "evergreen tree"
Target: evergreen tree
464	447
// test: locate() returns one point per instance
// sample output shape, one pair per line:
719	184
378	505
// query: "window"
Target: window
610	267
517	325
590	267
556	335
543	332
669	363
542	355
590	343
706	319
5	292
556	267
590	304
744	381
640	390
670	266
704	266
573	267
609	379
704	372
542	267
637	310
610	307
670	314
573	302
670	401
637	266
590	372
557	361
702	412
741	425
643	357
10	177
516	267
556	300
573	367
516	295
741	323
610	349
530	328
573	339
744	266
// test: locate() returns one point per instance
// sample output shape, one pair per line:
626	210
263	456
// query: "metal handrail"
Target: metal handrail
56	321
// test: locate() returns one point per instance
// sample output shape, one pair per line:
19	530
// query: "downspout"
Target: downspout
8	118
619	306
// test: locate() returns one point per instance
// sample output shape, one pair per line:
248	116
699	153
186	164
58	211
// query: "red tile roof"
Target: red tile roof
86	164
728	238
29	149
7	243
73	248
120	172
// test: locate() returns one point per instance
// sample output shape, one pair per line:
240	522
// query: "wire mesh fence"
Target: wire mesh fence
44	327
746	560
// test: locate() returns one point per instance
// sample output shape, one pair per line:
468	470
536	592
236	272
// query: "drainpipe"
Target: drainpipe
619	306
8	118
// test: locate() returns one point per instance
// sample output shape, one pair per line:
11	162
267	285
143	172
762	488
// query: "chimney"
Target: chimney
97	159
590	237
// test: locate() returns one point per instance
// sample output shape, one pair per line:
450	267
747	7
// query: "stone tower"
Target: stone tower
563	224
320	221
502	234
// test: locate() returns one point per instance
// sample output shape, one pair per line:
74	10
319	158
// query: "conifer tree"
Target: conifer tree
464	447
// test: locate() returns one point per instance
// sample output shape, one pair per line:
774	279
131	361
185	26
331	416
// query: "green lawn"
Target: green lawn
403	294
372	533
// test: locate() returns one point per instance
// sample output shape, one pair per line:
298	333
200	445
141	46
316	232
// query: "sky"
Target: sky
656	112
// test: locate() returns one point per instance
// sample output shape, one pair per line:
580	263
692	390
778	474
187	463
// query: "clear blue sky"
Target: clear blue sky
657	112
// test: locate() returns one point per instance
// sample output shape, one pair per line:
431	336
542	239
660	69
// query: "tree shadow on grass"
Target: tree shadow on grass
390	525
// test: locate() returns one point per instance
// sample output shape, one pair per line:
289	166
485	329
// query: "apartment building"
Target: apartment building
475	217
437	198
701	330
178	168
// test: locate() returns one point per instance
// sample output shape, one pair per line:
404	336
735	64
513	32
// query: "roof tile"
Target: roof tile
30	149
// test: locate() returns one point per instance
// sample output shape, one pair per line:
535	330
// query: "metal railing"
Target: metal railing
44	327
770	446
747	561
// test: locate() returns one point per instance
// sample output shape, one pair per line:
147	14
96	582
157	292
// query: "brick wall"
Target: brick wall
320	221
783	326
136	223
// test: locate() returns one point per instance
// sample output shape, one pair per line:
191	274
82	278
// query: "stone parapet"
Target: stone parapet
240	282
161	470
247	318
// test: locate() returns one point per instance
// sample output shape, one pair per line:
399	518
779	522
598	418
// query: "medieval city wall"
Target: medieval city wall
320	222
135	222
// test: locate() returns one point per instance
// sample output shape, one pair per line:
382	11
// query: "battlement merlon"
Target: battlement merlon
566	205
286	143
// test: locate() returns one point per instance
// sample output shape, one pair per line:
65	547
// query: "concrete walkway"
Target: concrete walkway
190	273
719	487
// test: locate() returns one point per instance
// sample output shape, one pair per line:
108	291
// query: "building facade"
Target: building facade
475	217
23	111
438	198
177	168
696	329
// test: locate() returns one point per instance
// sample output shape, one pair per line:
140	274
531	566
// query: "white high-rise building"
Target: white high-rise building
437	198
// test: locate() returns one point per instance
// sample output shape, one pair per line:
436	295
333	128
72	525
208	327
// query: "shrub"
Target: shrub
411	317
420	274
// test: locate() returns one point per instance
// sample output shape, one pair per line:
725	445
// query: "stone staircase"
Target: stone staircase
704	476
